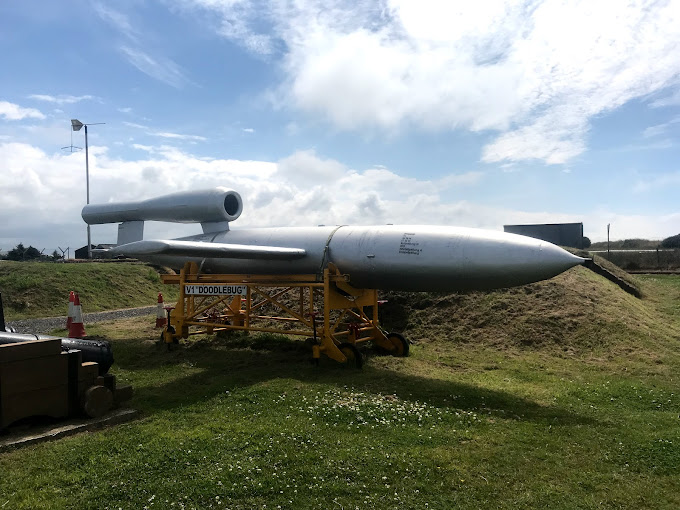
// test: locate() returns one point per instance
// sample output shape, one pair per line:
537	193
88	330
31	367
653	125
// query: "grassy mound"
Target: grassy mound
576	312
40	289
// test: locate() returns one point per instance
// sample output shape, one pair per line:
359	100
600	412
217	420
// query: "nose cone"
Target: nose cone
531	260
558	259
438	258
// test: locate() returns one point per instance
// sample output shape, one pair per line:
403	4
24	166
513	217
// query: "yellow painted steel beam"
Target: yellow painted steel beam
205	308
283	307
258	291
230	327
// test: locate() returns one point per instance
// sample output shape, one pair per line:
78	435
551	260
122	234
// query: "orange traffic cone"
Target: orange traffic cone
71	299
161	320
77	329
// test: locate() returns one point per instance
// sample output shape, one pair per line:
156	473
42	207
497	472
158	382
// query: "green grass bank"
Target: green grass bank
41	289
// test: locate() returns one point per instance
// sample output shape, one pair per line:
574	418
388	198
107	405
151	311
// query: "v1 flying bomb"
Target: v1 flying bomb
388	257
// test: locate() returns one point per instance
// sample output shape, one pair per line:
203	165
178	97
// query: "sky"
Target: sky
474	114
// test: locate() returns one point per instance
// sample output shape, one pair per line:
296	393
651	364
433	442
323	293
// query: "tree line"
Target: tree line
672	242
22	254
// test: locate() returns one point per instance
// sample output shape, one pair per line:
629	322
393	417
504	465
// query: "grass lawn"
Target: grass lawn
466	421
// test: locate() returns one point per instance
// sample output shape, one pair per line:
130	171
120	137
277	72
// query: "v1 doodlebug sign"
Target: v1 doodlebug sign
215	290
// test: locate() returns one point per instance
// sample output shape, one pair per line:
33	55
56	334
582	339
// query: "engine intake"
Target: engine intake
205	206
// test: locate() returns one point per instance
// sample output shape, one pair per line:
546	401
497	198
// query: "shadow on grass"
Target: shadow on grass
218	365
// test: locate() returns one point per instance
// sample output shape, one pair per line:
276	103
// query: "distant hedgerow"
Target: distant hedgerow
671	242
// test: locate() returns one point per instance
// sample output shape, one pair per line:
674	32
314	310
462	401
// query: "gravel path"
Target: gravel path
47	324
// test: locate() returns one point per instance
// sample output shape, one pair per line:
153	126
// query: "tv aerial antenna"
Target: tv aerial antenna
72	148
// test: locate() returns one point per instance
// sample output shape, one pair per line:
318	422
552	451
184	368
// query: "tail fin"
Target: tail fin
130	231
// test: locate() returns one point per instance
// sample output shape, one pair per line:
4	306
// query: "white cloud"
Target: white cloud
535	71
662	181
61	99
671	100
460	180
160	68
117	20
306	166
178	136
235	23
660	129
555	138
11	111
166	134
135	125
44	194
292	128
631	226
248	130
661	144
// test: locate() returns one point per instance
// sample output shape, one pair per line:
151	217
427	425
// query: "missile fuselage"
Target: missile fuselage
410	258
388	257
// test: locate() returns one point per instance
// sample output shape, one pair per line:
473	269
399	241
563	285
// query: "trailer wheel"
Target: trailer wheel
352	354
400	344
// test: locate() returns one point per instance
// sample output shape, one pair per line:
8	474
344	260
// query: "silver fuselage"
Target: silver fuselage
410	258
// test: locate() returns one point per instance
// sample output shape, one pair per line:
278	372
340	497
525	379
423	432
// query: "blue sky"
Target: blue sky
338	112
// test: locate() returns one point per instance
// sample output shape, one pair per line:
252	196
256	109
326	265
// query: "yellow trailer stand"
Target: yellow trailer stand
334	316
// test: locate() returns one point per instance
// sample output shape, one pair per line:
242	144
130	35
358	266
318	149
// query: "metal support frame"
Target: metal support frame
87	181
337	316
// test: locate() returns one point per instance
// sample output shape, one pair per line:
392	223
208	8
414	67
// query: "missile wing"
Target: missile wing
389	257
202	249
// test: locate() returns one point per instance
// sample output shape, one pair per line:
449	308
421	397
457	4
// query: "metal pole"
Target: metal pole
608	224
87	184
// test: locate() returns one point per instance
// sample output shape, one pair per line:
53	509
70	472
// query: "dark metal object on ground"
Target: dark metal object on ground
2	315
97	351
3	326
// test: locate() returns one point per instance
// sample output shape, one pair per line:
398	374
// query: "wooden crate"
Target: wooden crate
33	380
